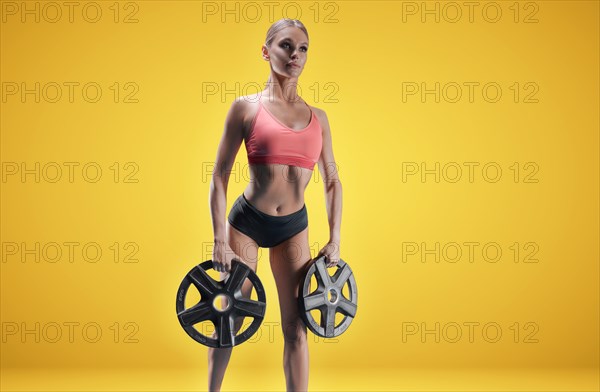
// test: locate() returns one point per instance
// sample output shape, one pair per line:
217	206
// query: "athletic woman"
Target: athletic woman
284	139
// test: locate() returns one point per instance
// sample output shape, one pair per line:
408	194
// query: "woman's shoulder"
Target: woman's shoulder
317	110
246	101
321	115
243	104
247	107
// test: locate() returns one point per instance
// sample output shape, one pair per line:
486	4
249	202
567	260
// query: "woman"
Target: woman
284	138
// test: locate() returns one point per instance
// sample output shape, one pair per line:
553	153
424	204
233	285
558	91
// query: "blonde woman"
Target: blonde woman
284	139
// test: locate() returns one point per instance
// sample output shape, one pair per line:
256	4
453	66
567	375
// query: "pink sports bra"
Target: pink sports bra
270	141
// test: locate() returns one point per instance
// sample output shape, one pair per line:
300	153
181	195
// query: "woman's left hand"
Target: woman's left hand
331	251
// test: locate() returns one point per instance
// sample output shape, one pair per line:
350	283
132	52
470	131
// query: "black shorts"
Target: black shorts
267	230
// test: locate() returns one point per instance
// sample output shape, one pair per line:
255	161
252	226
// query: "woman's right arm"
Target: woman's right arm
229	146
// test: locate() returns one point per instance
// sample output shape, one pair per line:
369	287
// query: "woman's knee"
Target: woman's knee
294	332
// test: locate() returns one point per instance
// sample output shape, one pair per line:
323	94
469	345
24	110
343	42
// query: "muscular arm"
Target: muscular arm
333	186
229	146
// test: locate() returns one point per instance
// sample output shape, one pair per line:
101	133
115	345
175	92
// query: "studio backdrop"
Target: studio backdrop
465	136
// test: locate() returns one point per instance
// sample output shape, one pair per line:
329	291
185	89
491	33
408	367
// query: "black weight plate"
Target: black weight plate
224	319
327	286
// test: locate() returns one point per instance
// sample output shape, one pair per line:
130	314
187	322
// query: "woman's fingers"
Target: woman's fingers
330	262
220	266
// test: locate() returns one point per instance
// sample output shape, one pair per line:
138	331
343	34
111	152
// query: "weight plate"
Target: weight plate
223	319
328	298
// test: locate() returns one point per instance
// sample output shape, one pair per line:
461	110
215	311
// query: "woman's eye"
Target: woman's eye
287	45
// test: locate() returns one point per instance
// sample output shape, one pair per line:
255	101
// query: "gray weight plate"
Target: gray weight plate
328	298
223	319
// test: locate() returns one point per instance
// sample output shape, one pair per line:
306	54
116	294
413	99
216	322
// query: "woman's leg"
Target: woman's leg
246	250
288	263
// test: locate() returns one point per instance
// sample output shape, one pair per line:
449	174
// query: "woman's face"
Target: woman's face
287	53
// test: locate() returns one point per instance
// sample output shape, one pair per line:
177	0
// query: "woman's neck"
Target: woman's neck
282	90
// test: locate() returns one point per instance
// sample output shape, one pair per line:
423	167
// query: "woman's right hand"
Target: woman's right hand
222	256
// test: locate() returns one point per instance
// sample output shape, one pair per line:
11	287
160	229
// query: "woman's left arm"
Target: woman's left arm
333	194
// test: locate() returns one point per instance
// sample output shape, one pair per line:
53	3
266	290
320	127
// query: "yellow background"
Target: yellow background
360	55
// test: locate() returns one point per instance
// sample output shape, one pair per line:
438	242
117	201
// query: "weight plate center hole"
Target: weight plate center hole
221	302
332	296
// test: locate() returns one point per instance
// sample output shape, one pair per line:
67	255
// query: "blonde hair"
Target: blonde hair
280	25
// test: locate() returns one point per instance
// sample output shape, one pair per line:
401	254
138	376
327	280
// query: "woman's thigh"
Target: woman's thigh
246	250
244	247
288	263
